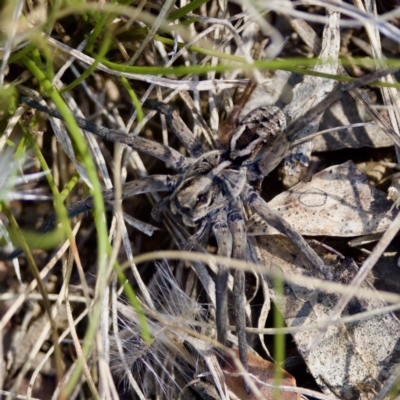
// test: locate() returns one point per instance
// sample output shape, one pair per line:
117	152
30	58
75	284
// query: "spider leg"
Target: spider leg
226	128
155	149
181	131
160	207
237	227
154	183
273	218
201	235
224	240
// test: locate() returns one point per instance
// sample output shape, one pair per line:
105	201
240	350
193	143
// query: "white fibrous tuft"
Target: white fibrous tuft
169	361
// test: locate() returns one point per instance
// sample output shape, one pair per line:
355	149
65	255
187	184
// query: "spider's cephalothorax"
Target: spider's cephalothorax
258	141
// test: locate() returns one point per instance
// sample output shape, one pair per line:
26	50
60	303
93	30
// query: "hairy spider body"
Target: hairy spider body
259	135
213	191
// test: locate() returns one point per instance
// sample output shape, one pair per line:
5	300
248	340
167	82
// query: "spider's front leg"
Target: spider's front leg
181	131
151	147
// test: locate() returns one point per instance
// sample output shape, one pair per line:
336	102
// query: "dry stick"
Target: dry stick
339	128
161	17
16	396
209	84
306	282
292	330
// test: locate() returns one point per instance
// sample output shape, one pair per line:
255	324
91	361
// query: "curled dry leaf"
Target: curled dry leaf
353	360
344	112
338	201
264	371
349	111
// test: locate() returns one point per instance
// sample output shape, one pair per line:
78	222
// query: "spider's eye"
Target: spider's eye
202	198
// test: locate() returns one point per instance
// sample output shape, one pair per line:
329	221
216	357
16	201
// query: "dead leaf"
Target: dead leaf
264	371
349	111
338	201
353	360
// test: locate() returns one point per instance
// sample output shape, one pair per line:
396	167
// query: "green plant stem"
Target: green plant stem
182	12
69	186
130	293
99	218
134	98
279	341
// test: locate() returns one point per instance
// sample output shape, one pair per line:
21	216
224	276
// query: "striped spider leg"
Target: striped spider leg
213	186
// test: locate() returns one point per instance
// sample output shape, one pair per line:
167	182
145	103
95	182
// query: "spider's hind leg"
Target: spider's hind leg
237	227
224	241
181	131
154	183
273	218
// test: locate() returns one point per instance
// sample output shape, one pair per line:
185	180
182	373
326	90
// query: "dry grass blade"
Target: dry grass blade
362	274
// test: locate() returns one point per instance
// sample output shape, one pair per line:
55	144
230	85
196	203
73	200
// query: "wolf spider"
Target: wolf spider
211	188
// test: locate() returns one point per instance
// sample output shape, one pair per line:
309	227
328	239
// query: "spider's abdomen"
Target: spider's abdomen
258	130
